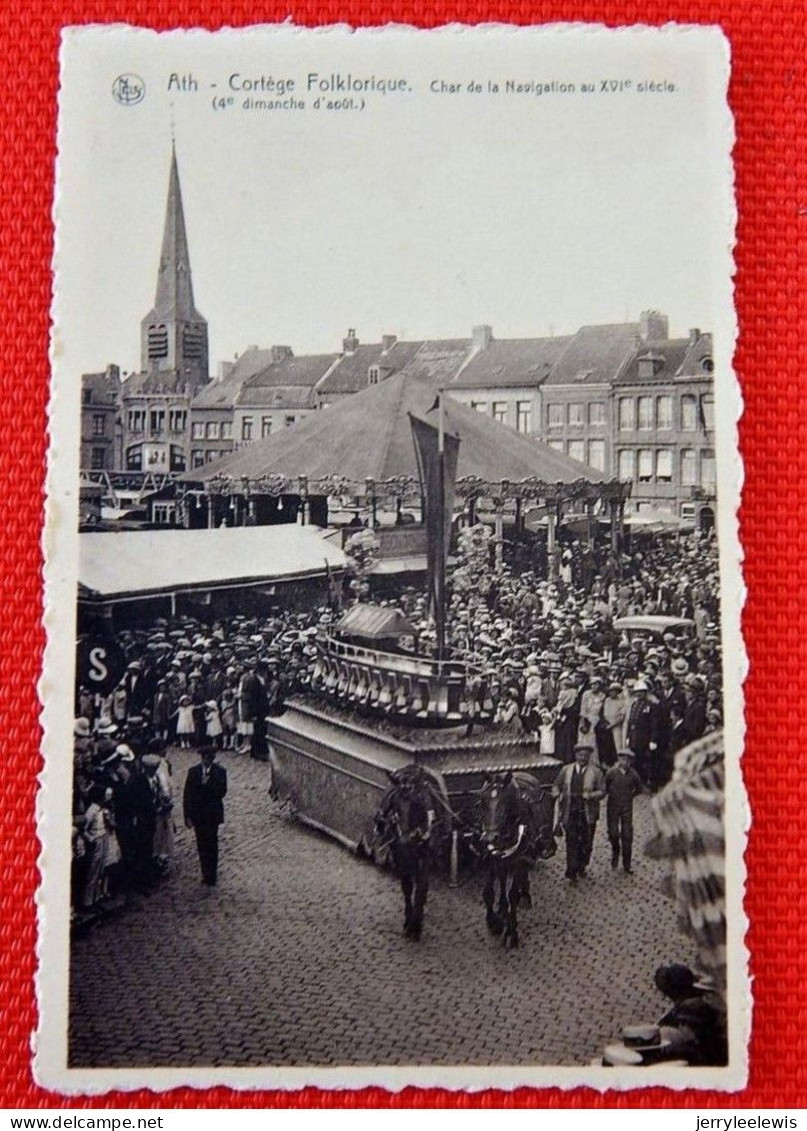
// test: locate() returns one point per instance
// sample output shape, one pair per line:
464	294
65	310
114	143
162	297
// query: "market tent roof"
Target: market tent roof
374	622
135	563
368	435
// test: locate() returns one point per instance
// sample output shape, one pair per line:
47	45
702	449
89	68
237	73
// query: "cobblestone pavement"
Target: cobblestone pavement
297	958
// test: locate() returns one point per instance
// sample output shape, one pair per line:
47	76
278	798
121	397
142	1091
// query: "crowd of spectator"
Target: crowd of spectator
548	654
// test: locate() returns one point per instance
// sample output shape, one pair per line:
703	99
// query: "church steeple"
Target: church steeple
174	333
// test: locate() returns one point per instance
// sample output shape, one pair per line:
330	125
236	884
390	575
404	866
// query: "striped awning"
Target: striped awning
689	815
373	622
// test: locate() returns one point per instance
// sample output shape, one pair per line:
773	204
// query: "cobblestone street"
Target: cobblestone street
297	958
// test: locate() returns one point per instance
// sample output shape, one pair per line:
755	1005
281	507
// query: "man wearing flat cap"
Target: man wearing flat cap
579	788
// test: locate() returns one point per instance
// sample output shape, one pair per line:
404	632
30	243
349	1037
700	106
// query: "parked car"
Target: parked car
654	626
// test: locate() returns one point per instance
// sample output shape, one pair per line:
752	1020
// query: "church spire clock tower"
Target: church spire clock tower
173	335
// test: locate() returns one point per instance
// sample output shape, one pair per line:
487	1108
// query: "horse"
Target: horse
515	830
405	823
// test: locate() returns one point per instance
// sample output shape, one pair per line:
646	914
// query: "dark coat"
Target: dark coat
203	801
642	726
254	698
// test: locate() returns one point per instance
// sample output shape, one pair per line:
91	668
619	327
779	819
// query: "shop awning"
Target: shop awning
139	563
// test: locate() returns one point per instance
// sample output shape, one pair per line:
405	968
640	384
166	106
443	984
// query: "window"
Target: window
197	430
627	463
687	510
164	513
645	414
689	413
500	411
134	458
86	396
708	411
157	421
246	428
524	416
373	375
266	427
137	420
99	425
177	420
596	412
479	406
157	342
664	465
708	478
212	430
194	343
555	416
577	450
197	459
211	455
707	365
664	421
98	459
596	454
290	420
627	414
688	468
226	430
556	445
645	472
576	414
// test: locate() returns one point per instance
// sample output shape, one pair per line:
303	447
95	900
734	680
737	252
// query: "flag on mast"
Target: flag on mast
437	451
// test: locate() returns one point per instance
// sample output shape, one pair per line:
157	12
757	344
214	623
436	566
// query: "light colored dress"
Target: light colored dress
212	722
185	720
163	842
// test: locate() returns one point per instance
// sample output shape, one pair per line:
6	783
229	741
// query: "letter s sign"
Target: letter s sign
98	669
100	664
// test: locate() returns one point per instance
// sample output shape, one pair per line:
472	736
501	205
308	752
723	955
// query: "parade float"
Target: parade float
379	698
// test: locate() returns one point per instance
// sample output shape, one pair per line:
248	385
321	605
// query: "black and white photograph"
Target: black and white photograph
393	688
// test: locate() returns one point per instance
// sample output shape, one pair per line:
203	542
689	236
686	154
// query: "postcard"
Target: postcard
393	688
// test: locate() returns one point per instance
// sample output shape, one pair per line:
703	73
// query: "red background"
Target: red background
768	99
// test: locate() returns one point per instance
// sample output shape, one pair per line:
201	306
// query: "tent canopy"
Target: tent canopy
374	623
368	435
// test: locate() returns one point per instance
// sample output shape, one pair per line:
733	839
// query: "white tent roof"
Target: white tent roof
139	562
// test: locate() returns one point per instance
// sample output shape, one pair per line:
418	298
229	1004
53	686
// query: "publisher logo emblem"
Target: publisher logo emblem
128	90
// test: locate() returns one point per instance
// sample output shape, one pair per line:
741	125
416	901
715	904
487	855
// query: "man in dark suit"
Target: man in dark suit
255	705
205	790
641	731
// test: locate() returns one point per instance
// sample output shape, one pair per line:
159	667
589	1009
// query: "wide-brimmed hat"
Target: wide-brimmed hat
106	726
81	728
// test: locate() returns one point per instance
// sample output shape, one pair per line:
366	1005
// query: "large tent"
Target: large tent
367	436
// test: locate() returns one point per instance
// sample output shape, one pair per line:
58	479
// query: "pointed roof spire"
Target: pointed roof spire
174	297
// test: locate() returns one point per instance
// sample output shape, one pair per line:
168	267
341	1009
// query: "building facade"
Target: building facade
626	399
663	429
100	422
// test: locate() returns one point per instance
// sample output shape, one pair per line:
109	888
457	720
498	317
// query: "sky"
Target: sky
422	215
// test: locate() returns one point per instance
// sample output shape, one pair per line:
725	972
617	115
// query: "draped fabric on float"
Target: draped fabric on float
438	476
689	815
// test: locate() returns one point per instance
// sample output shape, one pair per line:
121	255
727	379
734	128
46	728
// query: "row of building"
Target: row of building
627	399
